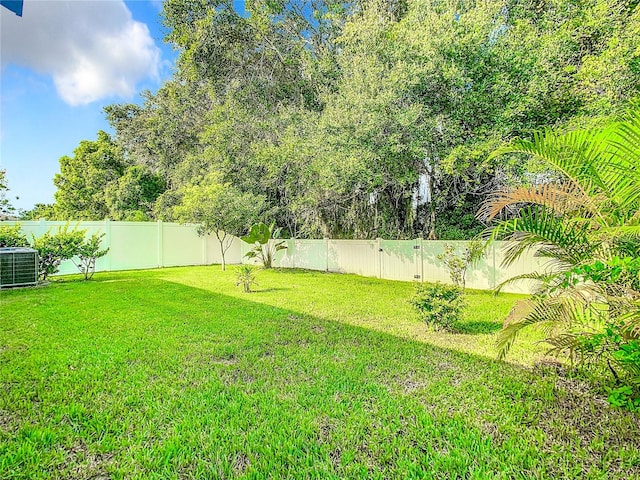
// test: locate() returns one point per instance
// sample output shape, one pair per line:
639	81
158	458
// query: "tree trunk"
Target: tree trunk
222	249
432	222
431	173
224	264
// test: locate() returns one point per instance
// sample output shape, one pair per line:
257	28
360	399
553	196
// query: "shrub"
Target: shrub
53	249
438	304
87	255
624	397
12	237
627	358
612	336
458	264
246	276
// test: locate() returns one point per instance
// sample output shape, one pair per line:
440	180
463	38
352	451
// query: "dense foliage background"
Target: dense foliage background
356	119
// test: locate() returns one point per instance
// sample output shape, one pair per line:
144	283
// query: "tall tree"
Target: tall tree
279	52
40	210
165	129
133	195
410	92
84	177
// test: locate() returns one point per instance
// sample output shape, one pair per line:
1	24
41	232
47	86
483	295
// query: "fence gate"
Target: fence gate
400	260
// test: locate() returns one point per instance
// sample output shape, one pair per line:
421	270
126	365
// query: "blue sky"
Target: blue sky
62	62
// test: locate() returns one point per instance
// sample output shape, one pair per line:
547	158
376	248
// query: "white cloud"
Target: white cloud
92	48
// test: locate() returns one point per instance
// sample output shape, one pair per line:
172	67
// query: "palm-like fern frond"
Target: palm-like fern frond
596	162
560	318
620	232
564	242
563	198
541	279
571	344
573	154
624	143
547	315
631	322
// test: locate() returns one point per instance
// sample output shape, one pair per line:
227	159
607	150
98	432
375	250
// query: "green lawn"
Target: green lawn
176	373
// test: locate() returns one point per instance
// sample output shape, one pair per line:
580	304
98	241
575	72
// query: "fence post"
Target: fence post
204	249
42	227
493	259
379	247
160	234
107	237
417	260
326	254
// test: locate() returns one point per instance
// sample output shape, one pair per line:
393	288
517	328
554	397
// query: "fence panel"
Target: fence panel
181	246
527	263
133	245
480	276
140	245
433	269
39	228
361	257
487	273
232	256
311	254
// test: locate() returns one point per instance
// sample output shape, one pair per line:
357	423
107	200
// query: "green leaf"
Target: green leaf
259	233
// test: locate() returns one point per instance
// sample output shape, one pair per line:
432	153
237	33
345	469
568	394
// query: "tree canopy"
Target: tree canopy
84	177
358	119
101	181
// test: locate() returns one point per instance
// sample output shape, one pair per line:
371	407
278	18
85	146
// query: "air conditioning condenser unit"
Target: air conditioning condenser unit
18	267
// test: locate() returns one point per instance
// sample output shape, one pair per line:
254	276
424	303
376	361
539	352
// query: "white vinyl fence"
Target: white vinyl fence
141	245
407	260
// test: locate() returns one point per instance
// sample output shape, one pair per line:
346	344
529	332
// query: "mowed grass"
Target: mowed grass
176	373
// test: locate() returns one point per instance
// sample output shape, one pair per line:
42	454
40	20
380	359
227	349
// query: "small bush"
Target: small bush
88	253
12	237
627	358
458	264
624	397
617	346
53	249
246	276
438	304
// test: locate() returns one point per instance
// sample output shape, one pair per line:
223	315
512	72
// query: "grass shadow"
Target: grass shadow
477	328
270	289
